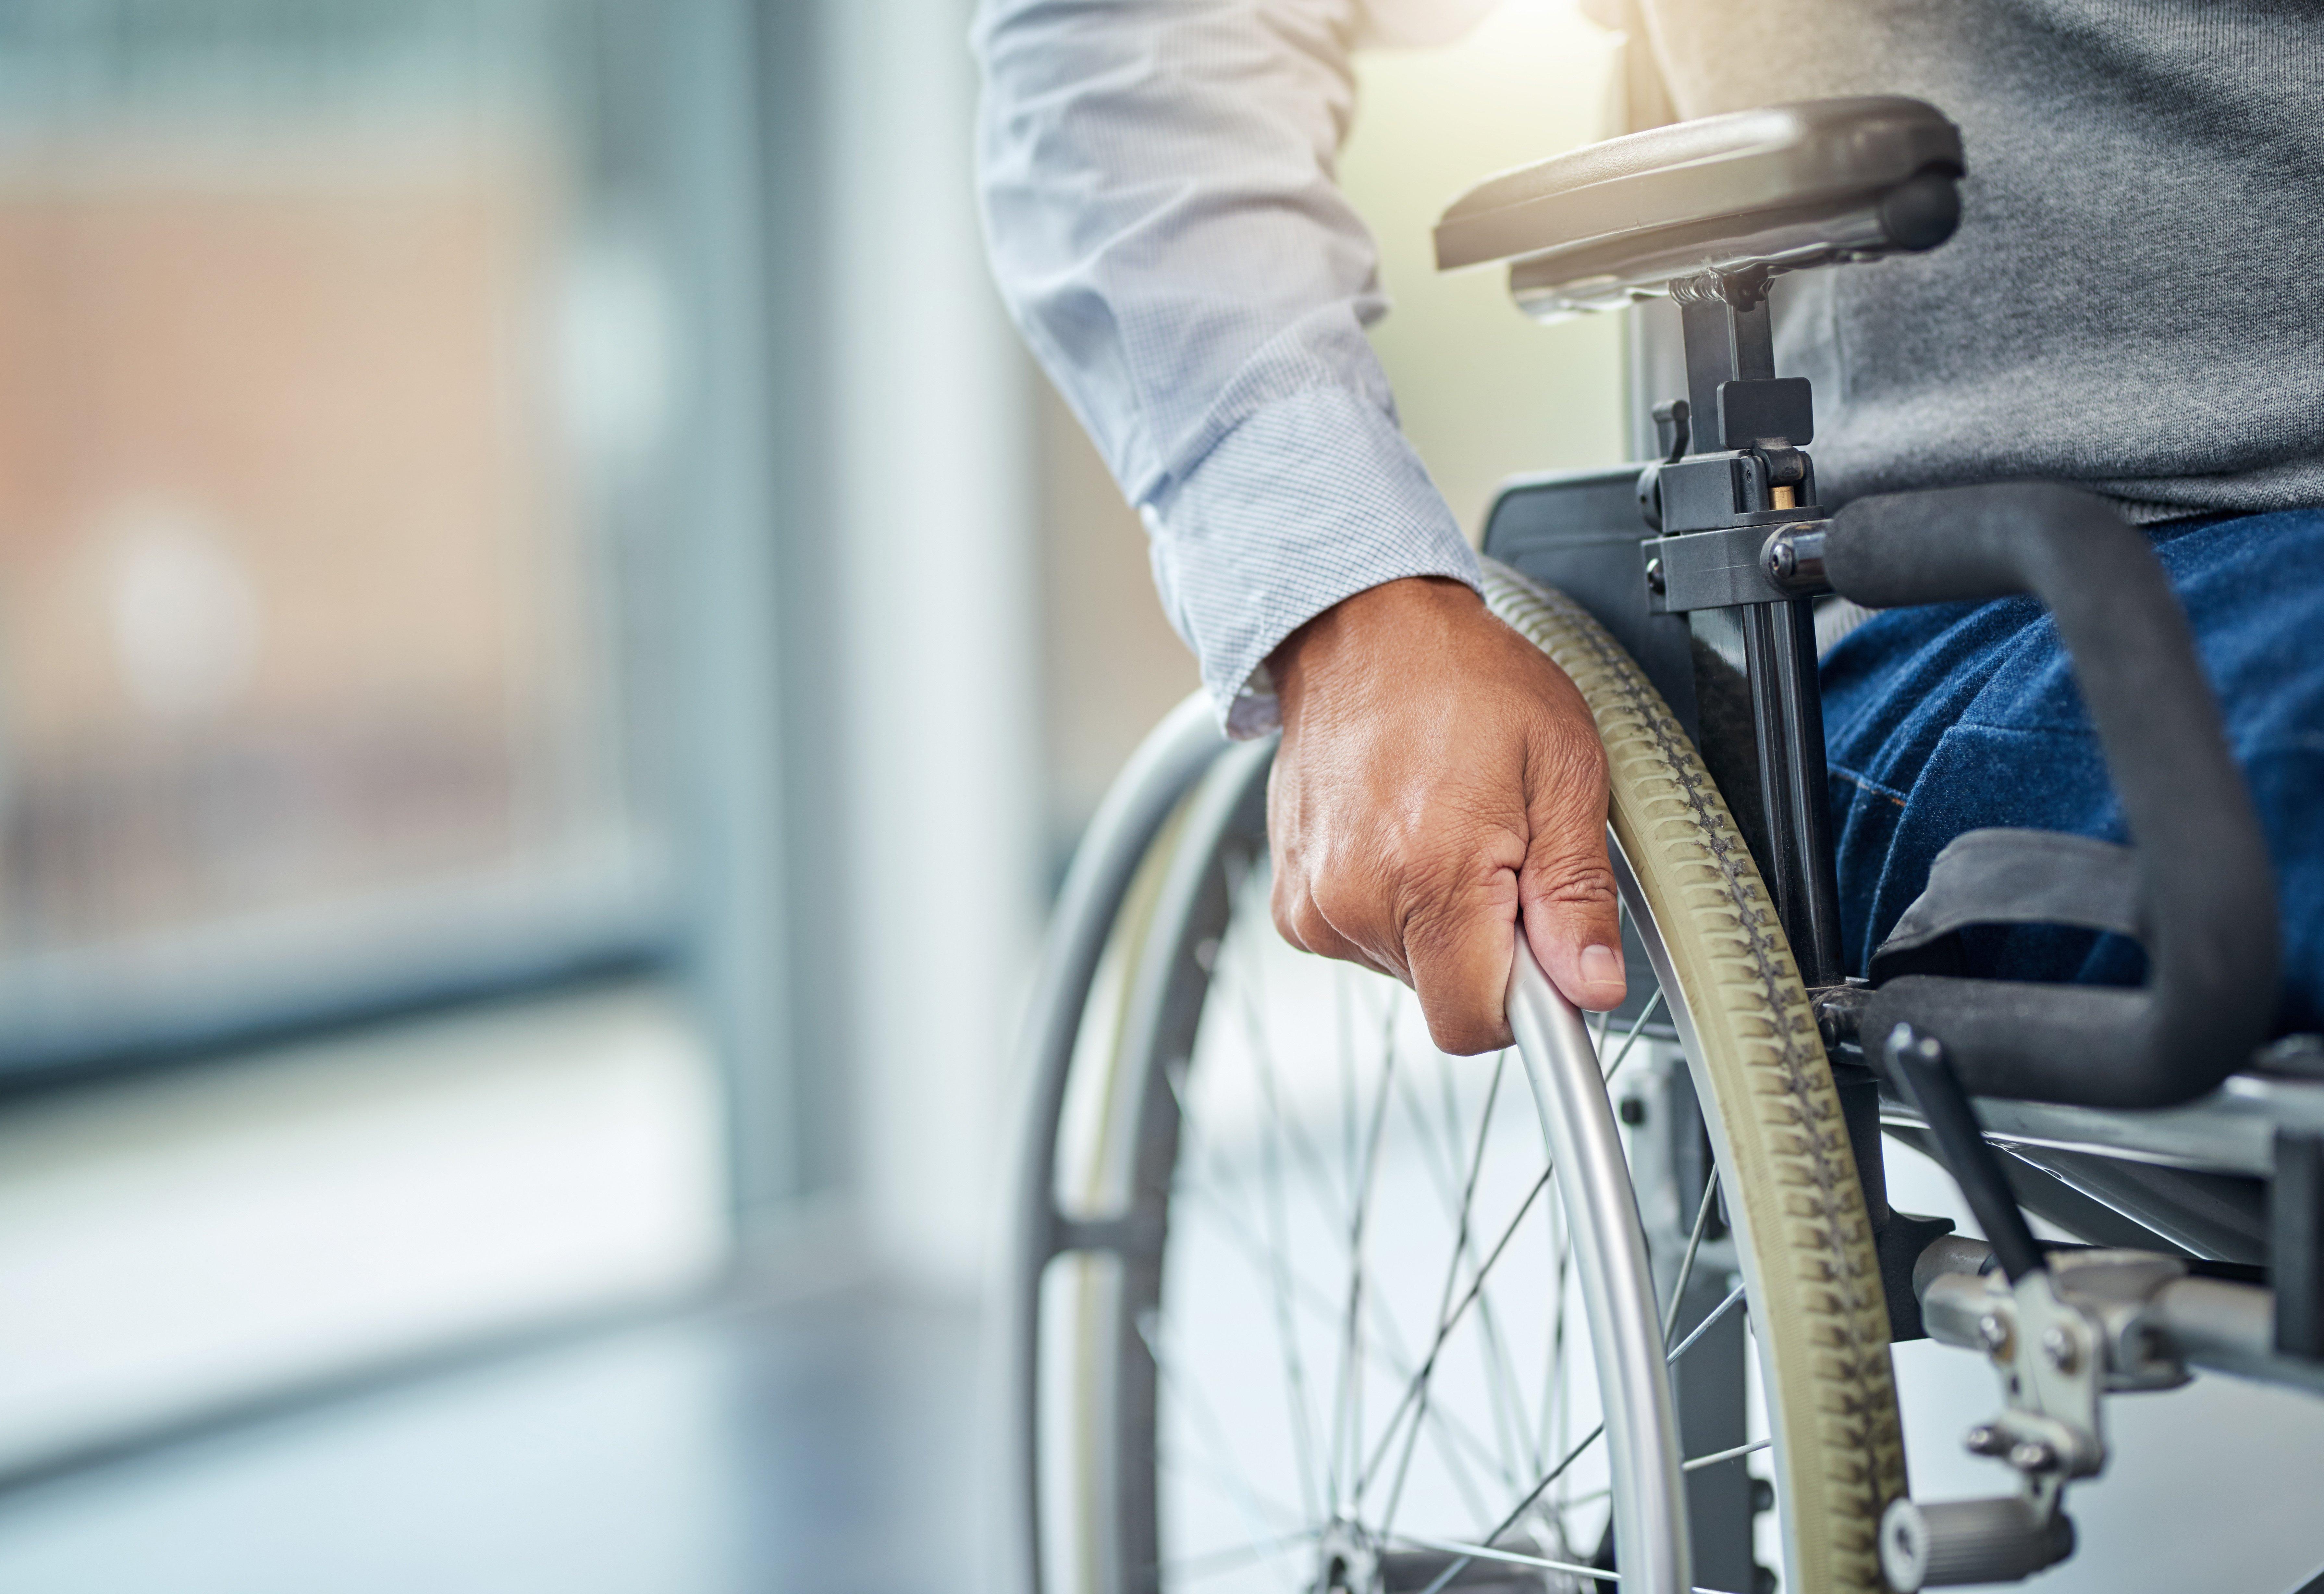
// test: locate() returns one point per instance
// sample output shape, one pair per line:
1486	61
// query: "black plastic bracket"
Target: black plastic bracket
2296	1243
1897	1237
1768	410
1899	1243
1673	430
1720	570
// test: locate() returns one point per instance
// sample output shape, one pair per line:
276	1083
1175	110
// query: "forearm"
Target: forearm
1156	176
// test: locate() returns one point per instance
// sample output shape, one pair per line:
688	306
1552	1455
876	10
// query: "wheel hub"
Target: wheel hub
1347	1563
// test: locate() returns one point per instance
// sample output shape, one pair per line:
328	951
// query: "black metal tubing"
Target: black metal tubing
1724	343
1788	715
2208	892
1918	1065
2296	1248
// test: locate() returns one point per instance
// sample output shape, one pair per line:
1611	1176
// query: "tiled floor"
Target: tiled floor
825	1446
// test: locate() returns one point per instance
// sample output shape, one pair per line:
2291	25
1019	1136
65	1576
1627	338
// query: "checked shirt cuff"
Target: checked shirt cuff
1310	498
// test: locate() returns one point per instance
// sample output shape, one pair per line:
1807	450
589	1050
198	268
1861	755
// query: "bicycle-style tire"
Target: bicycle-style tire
1129	974
1759	1069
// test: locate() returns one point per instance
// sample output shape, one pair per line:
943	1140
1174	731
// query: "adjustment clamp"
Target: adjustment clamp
1773	557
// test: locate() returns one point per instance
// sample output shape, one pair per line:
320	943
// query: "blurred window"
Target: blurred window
334	367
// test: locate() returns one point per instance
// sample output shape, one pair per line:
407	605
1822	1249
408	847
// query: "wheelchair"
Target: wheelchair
1294	1301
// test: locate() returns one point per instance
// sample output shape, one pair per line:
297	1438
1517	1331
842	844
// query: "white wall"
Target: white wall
934	510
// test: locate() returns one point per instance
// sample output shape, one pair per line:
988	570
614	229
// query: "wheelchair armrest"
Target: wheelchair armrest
1776	189
2205	890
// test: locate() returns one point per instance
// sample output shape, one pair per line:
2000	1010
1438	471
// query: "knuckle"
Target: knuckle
1576	756
1284	928
1412	862
1575	883
1284	906
1315	926
1435	929
1343	904
1464	1034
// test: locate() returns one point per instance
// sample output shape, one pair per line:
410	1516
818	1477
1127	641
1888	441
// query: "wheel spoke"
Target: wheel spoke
1230	1479
1428	1364
1278	1249
1511	1557
1517	1557
1630	1038
1712	1459
1703	1327
1521	1507
1451	1279
1443	1171
1233	1558
1348	1419
1251	1000
1388	1352
1686	1265
1511	1425
1340	1460
1553	1404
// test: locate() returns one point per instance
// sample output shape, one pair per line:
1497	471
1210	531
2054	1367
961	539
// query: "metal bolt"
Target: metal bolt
1985	1440
1783	558
1654	580
2032	1455
2058	1348
1994	1335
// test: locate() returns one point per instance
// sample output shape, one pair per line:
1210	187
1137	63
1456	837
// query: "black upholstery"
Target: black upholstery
1778	188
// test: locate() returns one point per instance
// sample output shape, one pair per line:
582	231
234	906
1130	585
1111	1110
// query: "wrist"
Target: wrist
1370	624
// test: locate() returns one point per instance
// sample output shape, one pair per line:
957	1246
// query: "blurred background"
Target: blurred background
553	648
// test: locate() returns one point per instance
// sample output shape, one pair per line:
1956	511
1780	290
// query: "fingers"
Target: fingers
1571	912
1298	920
1291	897
1439	777
1459	947
1451	944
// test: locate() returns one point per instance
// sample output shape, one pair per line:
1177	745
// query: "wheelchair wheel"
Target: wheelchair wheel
1299	1303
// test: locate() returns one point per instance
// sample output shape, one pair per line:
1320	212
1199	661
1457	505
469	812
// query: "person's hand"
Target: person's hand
1438	778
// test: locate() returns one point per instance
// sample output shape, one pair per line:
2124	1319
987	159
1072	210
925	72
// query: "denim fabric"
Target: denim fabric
1952	718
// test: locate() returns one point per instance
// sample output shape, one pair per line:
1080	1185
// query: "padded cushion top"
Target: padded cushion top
1743	165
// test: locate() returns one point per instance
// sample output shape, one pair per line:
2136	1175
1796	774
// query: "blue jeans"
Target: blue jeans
1952	718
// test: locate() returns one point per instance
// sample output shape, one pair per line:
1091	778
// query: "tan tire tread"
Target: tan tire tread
1817	1304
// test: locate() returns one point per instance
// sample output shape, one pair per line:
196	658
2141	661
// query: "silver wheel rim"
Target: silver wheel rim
1574	1121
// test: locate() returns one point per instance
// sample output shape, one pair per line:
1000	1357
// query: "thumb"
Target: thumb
1565	889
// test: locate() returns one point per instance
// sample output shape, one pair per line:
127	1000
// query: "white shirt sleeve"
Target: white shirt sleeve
1157	178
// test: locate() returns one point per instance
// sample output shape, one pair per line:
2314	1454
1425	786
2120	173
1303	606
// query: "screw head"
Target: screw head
2031	1455
2058	1348
1783	558
1656	582
1993	1333
1984	1440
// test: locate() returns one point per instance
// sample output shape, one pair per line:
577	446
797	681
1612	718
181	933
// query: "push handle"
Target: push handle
2207	892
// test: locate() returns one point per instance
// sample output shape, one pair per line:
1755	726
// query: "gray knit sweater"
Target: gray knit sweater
2135	298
